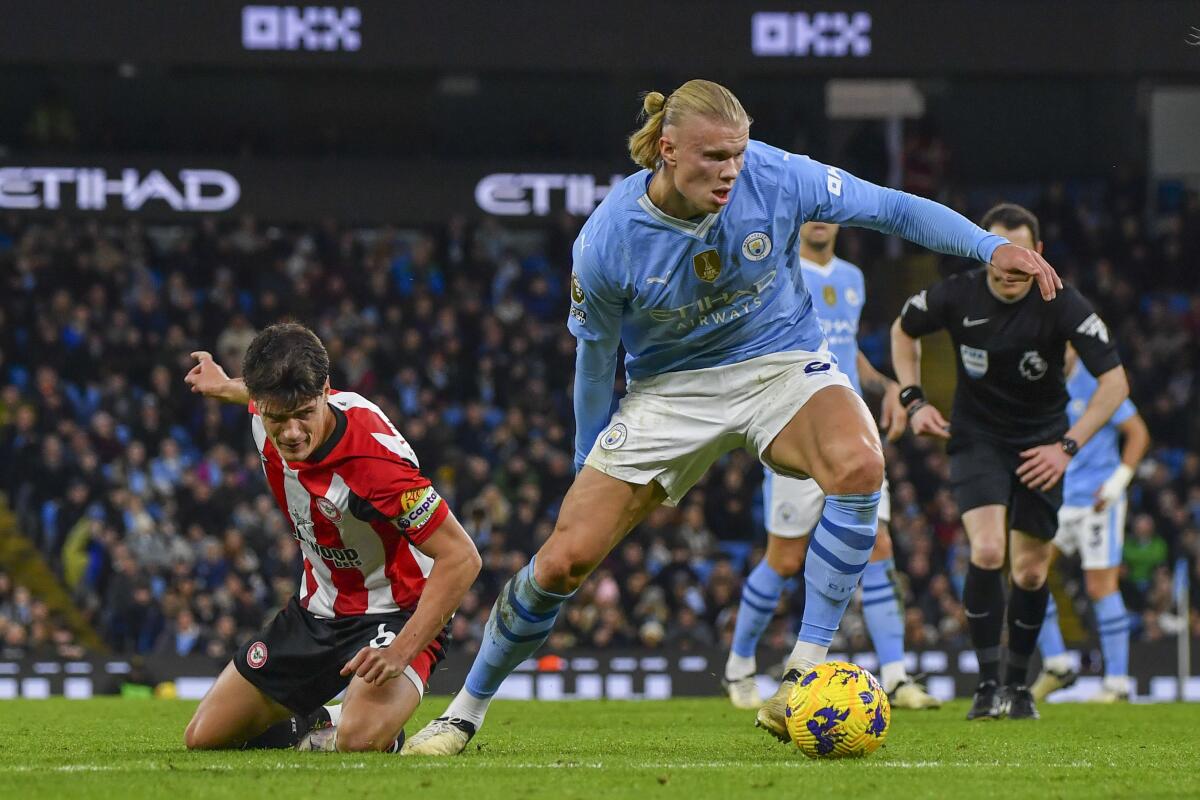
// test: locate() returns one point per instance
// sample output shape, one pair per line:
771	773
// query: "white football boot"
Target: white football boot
772	717
743	692
444	736
910	694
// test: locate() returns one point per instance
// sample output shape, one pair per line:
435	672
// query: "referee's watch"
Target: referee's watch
1069	446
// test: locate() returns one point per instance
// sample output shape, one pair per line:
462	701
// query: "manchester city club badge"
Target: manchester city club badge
756	246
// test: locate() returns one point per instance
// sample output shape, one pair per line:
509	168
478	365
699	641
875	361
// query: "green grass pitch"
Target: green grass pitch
695	749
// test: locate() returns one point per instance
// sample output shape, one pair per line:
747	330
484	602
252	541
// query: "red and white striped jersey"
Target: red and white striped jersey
359	506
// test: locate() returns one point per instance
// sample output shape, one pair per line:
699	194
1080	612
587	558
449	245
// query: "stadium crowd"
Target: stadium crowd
149	502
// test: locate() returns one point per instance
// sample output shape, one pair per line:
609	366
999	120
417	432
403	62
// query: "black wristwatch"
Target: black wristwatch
1069	446
911	394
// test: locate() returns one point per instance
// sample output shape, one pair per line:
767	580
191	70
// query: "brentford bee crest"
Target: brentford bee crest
256	655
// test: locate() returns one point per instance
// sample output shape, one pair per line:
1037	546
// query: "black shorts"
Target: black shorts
296	660
984	473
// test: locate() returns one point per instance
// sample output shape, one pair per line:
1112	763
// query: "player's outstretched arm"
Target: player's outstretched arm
1045	464
209	379
456	563
837	196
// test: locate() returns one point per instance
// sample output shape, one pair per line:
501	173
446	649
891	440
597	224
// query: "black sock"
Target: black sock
983	600
1026	611
286	734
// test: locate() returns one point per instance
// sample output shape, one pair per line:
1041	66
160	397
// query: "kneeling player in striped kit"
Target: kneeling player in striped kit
385	564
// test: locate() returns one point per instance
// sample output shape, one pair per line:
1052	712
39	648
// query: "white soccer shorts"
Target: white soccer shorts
793	506
670	428
1098	536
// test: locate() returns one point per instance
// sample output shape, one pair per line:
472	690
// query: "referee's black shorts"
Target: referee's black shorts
296	660
984	473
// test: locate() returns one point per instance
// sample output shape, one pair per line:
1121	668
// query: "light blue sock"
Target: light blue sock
1114	634
837	554
881	609
520	622
1050	640
760	596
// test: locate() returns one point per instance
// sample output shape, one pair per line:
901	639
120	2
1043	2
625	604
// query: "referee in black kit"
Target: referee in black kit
1009	441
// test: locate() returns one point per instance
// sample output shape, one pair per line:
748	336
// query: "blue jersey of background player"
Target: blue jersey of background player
691	265
1092	523
1100	458
838	292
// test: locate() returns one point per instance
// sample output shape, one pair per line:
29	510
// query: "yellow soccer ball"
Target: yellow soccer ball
838	710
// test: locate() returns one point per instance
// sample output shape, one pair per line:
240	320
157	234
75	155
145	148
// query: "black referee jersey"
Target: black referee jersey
1010	355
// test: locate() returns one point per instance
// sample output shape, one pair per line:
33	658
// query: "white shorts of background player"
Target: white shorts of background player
794	506
1098	536
670	428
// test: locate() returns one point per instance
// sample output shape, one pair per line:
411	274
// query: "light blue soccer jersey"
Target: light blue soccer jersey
727	287
838	292
1097	459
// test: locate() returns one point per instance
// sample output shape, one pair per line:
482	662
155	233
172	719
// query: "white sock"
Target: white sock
469	707
892	675
805	656
1058	663
335	714
738	667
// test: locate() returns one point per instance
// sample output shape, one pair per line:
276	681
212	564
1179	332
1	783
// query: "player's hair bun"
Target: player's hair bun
653	102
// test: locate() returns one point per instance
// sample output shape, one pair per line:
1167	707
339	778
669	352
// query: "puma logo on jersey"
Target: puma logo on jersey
1094	326
971	323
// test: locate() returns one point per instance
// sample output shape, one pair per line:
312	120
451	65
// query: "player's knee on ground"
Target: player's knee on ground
198	736
364	736
856	470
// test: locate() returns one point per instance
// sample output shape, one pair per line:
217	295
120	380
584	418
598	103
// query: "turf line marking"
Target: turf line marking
416	763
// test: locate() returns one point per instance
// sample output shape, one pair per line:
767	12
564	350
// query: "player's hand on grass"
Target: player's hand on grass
926	420
893	419
1015	261
375	665
1043	467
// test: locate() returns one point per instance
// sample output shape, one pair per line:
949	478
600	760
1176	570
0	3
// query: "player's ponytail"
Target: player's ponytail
643	144
694	97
